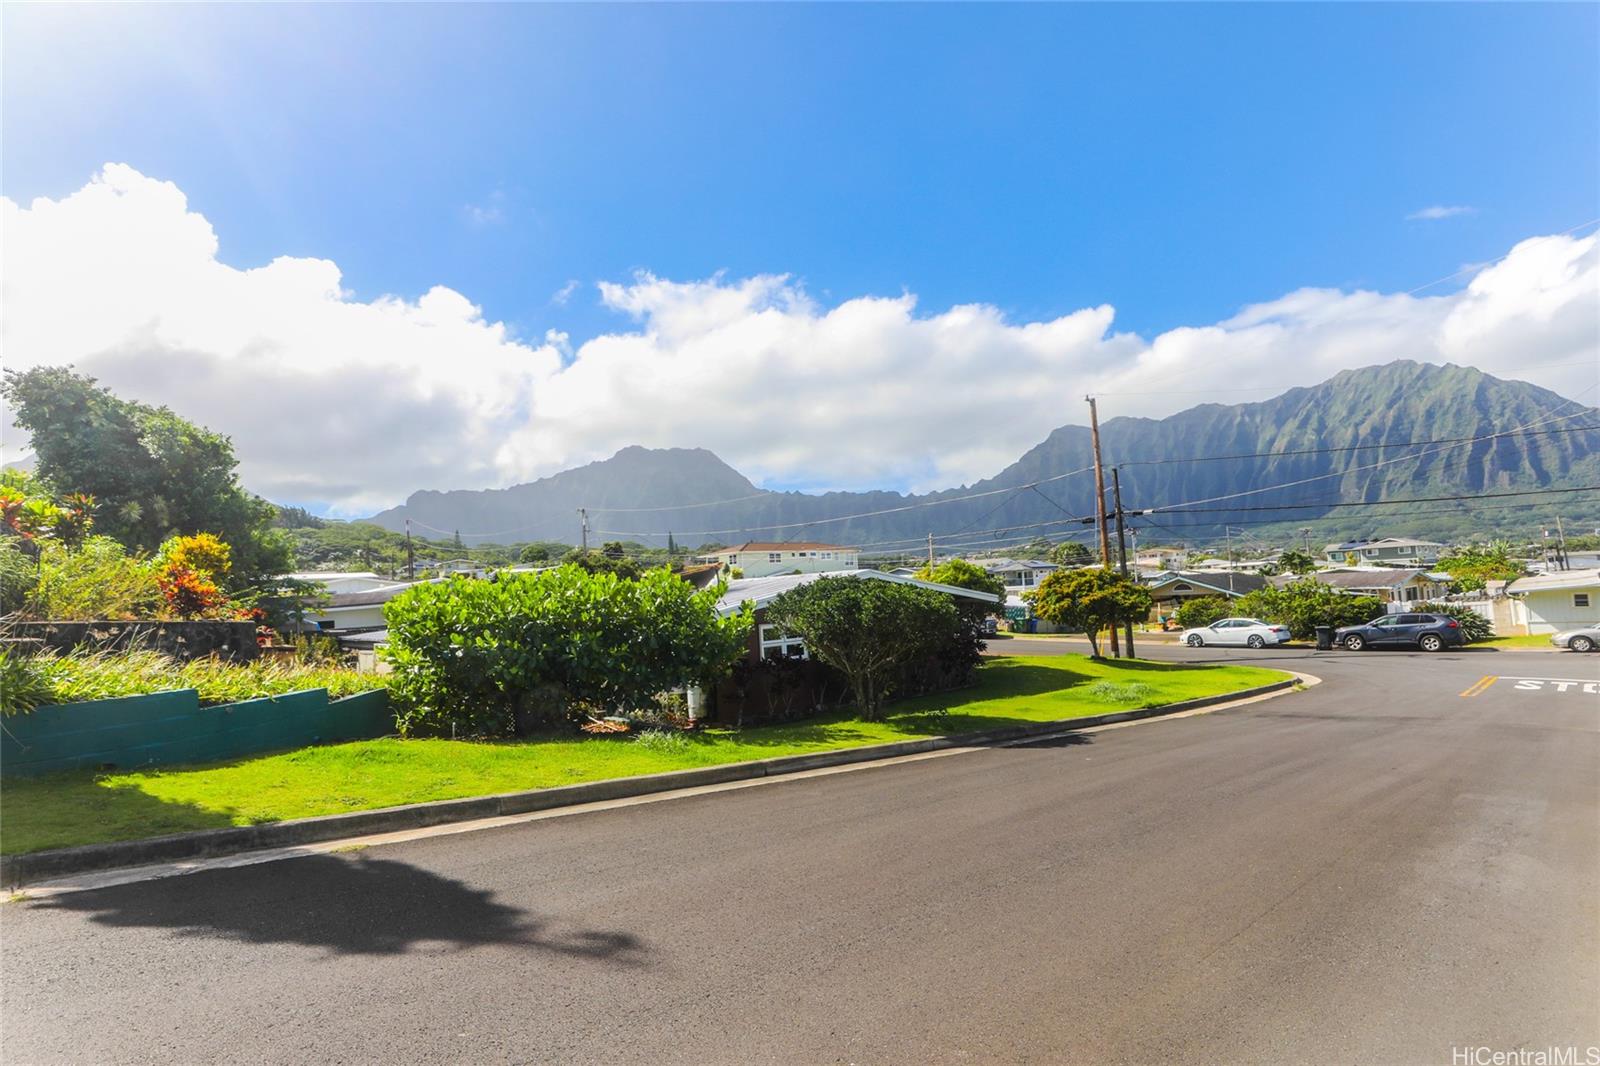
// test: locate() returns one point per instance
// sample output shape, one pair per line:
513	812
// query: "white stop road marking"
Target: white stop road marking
1555	684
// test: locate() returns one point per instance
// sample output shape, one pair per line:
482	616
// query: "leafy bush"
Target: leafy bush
1201	611
501	657
82	676
1474	626
871	631
1304	605
99	580
1472	566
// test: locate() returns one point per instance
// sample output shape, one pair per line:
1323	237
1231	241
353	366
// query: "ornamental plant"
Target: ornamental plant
510	654
189	593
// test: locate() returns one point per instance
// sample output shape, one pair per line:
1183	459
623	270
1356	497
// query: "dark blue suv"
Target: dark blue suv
1430	632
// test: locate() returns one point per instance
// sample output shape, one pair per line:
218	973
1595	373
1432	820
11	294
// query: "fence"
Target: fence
171	727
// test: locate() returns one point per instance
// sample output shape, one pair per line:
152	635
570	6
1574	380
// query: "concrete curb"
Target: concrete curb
19	870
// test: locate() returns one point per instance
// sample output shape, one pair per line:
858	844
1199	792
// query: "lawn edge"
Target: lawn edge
30	867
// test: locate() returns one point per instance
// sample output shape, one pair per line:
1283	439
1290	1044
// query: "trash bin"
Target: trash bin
1324	638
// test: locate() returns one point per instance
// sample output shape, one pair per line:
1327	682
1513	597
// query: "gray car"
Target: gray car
1585	639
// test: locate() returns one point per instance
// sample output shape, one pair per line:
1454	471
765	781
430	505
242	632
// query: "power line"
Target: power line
1343	448
848	517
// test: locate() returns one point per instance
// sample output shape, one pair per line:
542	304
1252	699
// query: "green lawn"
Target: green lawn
82	808
1532	640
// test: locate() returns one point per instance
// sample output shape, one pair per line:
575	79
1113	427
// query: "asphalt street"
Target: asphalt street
1399	862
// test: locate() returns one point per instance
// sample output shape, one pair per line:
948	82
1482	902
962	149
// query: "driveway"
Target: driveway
1393	864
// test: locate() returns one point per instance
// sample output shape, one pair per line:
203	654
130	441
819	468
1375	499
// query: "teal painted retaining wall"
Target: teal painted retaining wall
171	727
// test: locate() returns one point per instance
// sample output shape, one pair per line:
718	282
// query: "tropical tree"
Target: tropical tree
152	473
1090	599
870	631
1474	565
1297	562
1071	553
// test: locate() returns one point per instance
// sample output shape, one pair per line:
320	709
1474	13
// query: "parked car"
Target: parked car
1586	638
991	627
1430	632
1239	632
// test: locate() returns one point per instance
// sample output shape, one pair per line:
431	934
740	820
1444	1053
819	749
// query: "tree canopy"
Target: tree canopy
152	474
1090	599
1474	565
868	630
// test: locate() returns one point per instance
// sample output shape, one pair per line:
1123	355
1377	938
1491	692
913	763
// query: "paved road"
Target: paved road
1376	870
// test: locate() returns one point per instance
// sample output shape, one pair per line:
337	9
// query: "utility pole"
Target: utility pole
930	551
1227	532
411	556
1100	504
1306	533
1122	546
1561	543
583	516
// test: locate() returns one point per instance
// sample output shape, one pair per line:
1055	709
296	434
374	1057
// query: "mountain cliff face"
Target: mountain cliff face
1346	434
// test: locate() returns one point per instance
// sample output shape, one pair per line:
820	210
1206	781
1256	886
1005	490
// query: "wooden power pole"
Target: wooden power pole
411	557
1122	547
1100	505
583	534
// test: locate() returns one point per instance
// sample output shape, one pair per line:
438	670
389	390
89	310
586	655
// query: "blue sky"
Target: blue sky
1178	162
1101	179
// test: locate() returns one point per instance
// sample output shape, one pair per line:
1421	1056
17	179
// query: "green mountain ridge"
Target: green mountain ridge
1347	439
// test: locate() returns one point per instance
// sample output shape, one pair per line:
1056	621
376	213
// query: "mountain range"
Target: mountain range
1351	439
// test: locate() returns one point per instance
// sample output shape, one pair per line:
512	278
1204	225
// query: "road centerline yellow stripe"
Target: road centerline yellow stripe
1480	685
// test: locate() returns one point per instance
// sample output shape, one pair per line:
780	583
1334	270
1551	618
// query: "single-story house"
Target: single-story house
1385	551
765	558
1389	584
354	611
738	697
1549	603
1171	587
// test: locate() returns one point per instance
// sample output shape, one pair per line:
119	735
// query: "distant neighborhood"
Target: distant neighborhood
1557	591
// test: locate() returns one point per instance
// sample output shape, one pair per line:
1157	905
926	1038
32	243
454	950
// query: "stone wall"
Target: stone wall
233	641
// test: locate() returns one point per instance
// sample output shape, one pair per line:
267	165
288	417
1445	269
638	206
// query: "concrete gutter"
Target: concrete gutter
19	870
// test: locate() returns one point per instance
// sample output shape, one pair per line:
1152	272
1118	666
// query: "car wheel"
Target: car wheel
1581	644
1195	640
1355	642
1256	642
1430	642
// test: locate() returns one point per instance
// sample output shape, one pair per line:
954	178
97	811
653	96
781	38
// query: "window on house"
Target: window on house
1580	599
1403	551
775	644
827	555
774	557
733	560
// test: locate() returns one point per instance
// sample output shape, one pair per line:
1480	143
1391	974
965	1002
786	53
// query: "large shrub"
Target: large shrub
1304	605
1090	600
1201	611
1474	626
500	657
871	631
99	580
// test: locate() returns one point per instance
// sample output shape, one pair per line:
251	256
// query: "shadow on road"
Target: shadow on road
347	905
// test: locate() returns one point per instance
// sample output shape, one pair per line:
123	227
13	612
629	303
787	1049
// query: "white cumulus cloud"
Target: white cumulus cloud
356	403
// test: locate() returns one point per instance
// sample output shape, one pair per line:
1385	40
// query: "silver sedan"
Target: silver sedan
1585	639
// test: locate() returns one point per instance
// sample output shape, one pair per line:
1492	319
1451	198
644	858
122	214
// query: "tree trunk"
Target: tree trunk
1094	644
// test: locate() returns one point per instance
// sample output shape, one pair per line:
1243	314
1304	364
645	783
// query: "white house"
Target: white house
336	581
765	558
1549	603
1389	584
1386	551
1017	575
